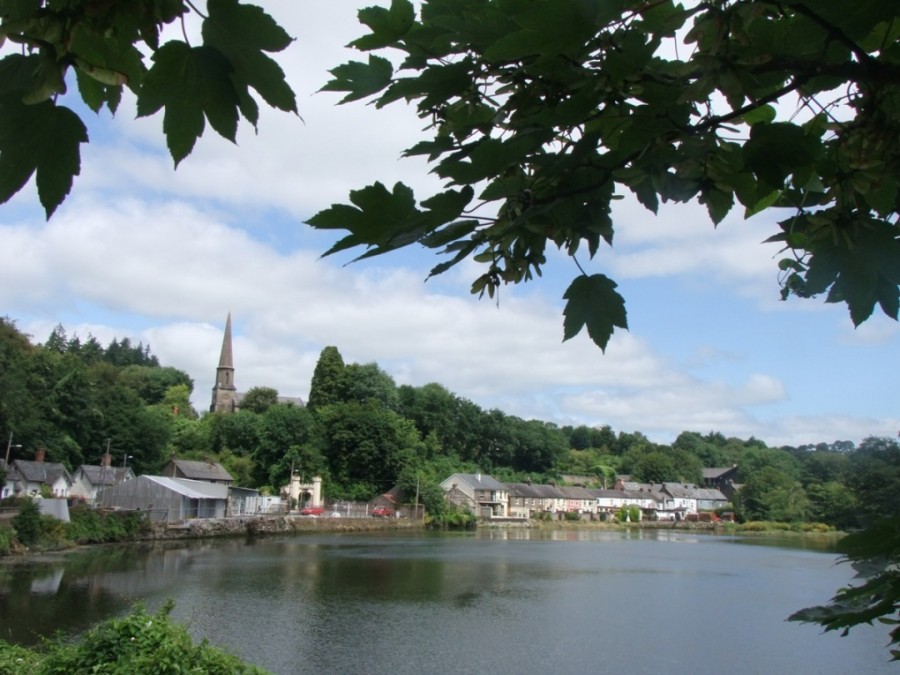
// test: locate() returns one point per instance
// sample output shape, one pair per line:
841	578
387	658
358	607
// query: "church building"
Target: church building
225	396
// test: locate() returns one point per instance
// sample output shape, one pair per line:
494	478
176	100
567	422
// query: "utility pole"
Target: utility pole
417	496
10	446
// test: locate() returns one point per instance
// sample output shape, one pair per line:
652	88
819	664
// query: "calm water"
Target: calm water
492	602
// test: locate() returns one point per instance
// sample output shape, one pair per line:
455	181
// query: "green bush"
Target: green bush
27	522
573	516
628	514
6	537
452	518
139	643
90	526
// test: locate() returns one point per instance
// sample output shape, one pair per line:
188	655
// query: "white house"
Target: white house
89	478
28	478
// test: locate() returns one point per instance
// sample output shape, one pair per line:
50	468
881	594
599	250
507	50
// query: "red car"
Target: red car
312	511
382	512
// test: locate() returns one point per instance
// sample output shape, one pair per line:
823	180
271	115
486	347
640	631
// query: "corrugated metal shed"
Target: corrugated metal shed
168	499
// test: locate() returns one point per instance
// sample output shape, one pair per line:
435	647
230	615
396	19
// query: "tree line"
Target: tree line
364	434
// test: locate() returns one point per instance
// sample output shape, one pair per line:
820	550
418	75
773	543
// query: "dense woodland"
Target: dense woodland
364	434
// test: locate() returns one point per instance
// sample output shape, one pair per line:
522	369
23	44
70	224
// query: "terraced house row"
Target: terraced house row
488	498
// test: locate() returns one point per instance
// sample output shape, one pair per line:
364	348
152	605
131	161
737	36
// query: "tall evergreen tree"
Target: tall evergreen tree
325	387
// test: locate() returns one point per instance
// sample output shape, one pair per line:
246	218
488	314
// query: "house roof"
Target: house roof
691	491
38	472
478	481
105	475
199	470
634	486
576	492
192	489
711	473
532	491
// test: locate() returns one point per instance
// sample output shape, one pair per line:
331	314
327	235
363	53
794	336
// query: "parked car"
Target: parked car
312	511
382	512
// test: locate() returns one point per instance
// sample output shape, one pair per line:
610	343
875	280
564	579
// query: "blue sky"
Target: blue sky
162	256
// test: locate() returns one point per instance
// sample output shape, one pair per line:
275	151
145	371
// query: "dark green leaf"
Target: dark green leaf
191	83
243	33
718	203
44	139
764	113
361	79
378	218
388	25
777	150
593	302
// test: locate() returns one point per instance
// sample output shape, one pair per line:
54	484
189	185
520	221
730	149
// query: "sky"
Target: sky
161	256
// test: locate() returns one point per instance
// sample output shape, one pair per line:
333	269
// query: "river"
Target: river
496	601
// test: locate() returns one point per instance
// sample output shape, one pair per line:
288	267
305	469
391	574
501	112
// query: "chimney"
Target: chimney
39	455
106	460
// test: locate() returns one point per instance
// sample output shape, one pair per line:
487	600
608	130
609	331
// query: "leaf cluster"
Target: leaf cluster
541	113
111	46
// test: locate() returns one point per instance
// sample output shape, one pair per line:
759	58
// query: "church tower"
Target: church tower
224	393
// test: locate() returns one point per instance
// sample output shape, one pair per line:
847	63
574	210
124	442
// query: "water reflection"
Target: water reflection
497	600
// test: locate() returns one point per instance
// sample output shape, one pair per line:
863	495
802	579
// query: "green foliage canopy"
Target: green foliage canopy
114	45
542	113
325	387
259	399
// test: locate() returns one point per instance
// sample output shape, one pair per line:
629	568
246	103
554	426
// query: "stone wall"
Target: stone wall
244	525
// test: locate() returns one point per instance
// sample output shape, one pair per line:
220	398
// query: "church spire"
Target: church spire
224	393
226	360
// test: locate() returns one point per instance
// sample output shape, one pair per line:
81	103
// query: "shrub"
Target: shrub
6	537
573	516
628	514
15	659
90	526
141	643
452	518
27	522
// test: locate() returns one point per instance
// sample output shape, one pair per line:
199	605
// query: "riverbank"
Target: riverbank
263	525
90	527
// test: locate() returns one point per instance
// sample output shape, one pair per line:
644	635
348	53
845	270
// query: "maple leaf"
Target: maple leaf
593	302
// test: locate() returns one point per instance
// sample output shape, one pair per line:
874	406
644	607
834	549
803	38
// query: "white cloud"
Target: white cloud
161	256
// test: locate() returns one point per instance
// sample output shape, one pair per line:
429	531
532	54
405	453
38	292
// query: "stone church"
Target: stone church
225	396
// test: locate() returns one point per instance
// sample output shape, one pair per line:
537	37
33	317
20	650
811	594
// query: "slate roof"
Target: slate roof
576	492
200	470
711	473
634	486
105	475
532	491
478	481
38	472
690	491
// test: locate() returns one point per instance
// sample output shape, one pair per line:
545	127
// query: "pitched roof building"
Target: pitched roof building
208	472
88	478
28	477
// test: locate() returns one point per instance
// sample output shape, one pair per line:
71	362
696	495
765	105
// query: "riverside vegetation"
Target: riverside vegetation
137	643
